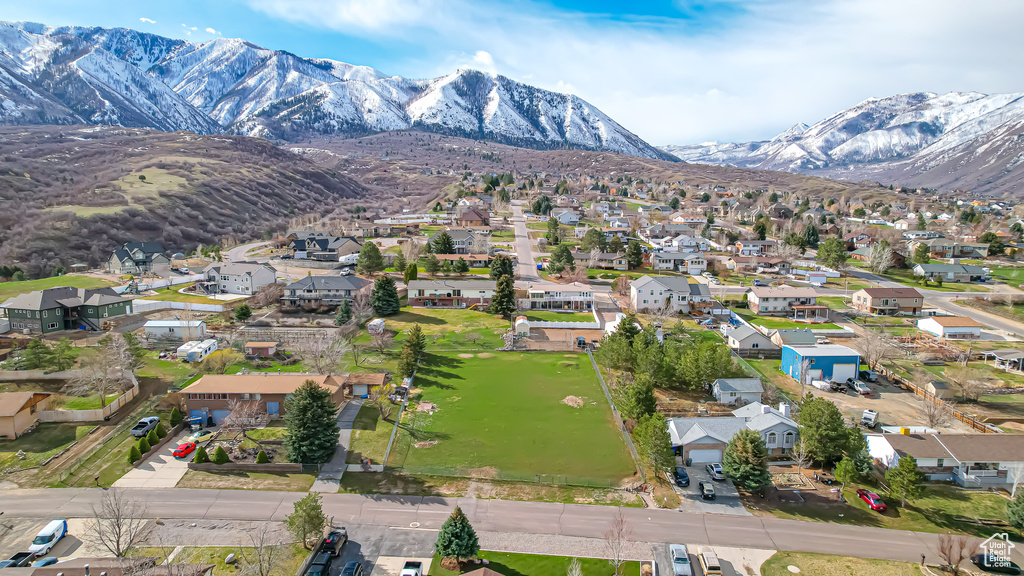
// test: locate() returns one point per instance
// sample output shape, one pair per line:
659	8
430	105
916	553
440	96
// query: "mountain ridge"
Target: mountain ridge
120	76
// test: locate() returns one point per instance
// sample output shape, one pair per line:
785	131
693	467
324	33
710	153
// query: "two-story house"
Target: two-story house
330	290
244	278
64	308
565	216
703	440
888	301
451	293
680	295
315	246
463	239
564	297
473	218
138	257
609	261
946	248
792	301
755	247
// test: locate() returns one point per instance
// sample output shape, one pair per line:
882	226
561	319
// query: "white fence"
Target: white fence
596	324
91	415
842	332
30	375
142	305
154	284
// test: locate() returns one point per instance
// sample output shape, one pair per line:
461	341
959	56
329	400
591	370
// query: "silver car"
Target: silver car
680	560
715	470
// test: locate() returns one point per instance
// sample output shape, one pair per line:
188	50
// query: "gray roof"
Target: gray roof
456	284
962	268
64	296
745	332
456	234
796	336
328	283
723	428
237	268
739	384
674	284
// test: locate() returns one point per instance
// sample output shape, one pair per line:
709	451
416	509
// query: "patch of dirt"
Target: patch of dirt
427	444
485	355
426	407
485	472
465	355
574	401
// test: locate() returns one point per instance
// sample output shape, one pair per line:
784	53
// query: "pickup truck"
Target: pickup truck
21	559
412	569
144	426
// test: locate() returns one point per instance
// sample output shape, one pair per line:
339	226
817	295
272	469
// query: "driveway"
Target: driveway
727	499
159	470
381	549
329	479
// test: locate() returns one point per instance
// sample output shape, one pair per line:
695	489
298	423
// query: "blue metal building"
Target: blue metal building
828	362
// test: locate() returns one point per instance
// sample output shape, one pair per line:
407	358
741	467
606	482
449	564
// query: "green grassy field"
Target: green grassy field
286	482
172	294
433	320
86	403
505	411
773	322
536	565
46	440
1012	275
9	289
550	316
906	276
830	565
370	435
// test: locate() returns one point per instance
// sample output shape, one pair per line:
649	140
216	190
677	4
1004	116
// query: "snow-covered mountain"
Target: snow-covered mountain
961	140
66	75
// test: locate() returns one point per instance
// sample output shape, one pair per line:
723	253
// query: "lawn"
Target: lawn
434	320
175	373
45	441
291	559
834	302
370	435
906	276
288	482
172	294
85	403
774	322
109	460
830	565
9	289
552	316
505	411
1012	275
536	565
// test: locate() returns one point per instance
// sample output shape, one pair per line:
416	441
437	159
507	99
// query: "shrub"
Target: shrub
143	445
152	437
220	456
261	458
134	455
201	455
161	432
176	416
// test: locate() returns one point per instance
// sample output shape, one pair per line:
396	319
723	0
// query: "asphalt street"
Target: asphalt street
416	512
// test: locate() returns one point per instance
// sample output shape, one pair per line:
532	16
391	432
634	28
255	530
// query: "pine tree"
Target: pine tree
344	313
312	429
457	540
823	429
552	235
504	300
417	340
63	355
634	255
370	260
653	443
636	399
561	259
461	266
432	265
134	454
811	236
261	458
407	362
444	244
36	355
846	471
220	456
412	271
1015	511
152	437
384	297
243	313
307	520
400	263
176	416
501	266
144	445
905	480
922	254
201	455
746	460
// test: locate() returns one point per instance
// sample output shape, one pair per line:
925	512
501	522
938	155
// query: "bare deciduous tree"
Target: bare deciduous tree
382	340
411	250
575	569
953	550
472	338
119	524
800	455
594	258
267	295
622	285
266	554
615	540
323	351
934	414
968	381
876	346
880	259
102	374
243	416
361	307
1015	475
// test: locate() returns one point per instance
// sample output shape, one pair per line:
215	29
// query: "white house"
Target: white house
971	460
566	216
183	330
733	390
650	293
959	327
684	243
239	277
703	439
747	339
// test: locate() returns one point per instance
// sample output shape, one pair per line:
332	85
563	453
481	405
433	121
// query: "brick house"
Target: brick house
451	293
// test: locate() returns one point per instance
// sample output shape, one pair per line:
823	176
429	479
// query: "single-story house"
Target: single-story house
451	293
951	272
563	297
830	362
19	411
566	216
733	390
474	260
183	330
760	264
888	301
703	439
260	349
136	566
958	327
971	460
747	339
210	396
793	337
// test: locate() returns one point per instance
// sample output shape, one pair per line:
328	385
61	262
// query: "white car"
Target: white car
715	470
680	560
346	271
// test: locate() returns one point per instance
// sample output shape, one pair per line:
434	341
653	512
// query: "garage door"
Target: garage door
219	416
841	372
705	456
360	390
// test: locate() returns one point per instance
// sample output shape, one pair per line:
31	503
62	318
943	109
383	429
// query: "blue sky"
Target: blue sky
674	72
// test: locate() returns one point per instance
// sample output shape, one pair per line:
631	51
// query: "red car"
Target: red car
184	449
873	500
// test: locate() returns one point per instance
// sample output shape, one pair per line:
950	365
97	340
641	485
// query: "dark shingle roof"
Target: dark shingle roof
328	283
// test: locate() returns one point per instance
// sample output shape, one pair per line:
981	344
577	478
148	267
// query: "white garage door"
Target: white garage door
705	456
841	372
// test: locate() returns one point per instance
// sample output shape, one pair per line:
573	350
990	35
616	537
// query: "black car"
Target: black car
335	540
353	568
320	566
993	563
707	490
682	478
868	376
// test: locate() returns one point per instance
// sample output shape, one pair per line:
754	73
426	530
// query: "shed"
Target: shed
260	349
958	327
522	327
830	362
733	390
19	411
375	326
175	329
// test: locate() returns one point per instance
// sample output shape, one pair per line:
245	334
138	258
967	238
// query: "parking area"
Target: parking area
159	470
734	561
16	535
383	551
727	499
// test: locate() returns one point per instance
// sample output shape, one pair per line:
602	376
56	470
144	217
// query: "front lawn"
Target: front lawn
536	565
506	411
370	435
85	403
47	439
775	322
906	276
433	320
292	555
288	482
830	565
173	294
9	289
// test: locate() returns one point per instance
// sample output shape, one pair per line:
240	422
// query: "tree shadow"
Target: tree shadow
413	317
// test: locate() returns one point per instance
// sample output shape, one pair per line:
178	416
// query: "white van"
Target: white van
709	561
48	537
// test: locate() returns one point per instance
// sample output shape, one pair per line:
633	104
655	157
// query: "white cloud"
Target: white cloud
484	61
147	20
211	31
765	67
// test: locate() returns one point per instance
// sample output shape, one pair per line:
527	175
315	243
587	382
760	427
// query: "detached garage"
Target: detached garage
831	363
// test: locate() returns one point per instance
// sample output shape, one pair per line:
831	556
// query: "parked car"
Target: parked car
682	478
346	271
184	449
715	470
707	490
861	388
874	501
335	540
320	566
48	537
993	563
412	568
868	376
352	568
200	436
21	559
680	560
45	561
7	564
144	426
757	282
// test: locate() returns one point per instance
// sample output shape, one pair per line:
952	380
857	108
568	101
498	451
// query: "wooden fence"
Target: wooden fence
960	415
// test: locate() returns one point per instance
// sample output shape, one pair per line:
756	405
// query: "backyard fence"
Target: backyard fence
153	285
101	448
964	417
618	418
490	473
140	305
94	415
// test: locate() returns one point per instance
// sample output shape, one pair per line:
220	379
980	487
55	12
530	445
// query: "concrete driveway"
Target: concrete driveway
159	470
727	499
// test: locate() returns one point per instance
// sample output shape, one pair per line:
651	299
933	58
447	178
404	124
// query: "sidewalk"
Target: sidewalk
329	479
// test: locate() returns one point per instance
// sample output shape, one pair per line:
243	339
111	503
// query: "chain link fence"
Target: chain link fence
490	473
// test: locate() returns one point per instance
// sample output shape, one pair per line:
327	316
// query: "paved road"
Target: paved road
494	515
526	266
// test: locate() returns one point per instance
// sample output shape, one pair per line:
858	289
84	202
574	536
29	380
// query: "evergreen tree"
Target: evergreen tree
176	416
922	254
444	244
261	457
653	443
615	245
504	300
63	355
432	265
384	298
636	399
823	429
594	238
152	438
457	540
407	362
461	266
220	456
905	480
416	339
833	253
846	471
307	520
561	259
1015	511
746	460
161	432
312	429
399	263
344	313
36	355
134	455
201	455
552	234
243	313
144	445
761	229
502	266
412	271
921	224
811	236
370	260
634	255
628	328
446	268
